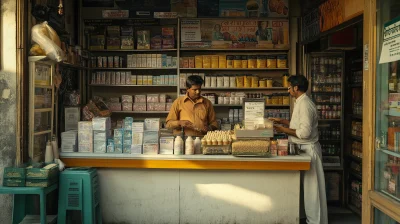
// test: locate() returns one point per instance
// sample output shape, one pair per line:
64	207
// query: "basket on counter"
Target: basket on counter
217	149
42	177
251	147
14	177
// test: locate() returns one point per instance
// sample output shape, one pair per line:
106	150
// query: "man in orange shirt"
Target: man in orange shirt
192	112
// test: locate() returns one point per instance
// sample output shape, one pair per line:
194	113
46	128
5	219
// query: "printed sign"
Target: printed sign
190	30
391	41
274	32
115	14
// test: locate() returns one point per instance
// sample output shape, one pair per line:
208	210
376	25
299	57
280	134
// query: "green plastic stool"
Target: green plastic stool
79	191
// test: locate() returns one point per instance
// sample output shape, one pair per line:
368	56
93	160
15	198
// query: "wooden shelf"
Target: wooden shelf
355	174
133	68
127	85
43	86
42	132
354	116
240	105
43	110
355	158
234	49
236	69
136	50
67	65
333	168
237	88
140	112
356	138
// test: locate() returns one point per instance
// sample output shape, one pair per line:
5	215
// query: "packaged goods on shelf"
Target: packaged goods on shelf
138	127
140	98
127	106
137	138
72	117
168	106
101	123
85	136
113	43
128	121
151	137
137	149
167	145
356	149
114	106
110	146
139	107
271	62
282	61
150	149
69	141
152	124
143	39
96	42
156	42
119	148
100	141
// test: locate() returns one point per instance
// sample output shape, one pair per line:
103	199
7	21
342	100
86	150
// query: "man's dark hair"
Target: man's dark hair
194	80
300	81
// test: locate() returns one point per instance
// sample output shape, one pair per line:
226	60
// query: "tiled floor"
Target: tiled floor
342	216
339	215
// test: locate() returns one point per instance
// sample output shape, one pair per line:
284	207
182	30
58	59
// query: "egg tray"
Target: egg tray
251	147
217	150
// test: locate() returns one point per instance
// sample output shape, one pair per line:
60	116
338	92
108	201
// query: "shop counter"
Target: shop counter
217	162
196	188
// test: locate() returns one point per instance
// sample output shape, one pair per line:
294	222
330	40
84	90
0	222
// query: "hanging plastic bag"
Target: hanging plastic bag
48	40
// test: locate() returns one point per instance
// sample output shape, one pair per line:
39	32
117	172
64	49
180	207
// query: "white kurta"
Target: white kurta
305	122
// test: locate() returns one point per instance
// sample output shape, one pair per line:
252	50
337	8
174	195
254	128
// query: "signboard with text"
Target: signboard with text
391	41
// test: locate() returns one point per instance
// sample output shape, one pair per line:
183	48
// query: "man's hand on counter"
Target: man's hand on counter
285	130
279	121
185	124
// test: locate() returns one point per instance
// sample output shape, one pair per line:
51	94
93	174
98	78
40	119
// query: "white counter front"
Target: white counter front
196	188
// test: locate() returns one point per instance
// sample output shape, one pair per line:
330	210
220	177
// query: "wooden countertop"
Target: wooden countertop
195	162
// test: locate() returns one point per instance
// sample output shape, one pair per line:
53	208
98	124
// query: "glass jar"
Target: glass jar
285	82
280	99
269	99
269	82
286	100
275	100
262	83
252	61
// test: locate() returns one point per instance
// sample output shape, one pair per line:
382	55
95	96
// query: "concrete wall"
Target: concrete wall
8	119
199	196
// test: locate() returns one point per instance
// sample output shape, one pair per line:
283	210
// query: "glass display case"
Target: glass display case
387	131
41	105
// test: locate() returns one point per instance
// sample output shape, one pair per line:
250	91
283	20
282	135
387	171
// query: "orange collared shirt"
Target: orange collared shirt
200	112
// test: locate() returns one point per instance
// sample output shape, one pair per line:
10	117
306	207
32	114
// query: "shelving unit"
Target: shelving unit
326	89
41	105
180	53
353	109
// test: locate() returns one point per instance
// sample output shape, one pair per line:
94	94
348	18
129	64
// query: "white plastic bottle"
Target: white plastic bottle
189	146
49	157
54	144
178	145
197	146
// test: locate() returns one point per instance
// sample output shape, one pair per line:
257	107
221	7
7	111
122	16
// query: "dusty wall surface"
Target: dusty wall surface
8	111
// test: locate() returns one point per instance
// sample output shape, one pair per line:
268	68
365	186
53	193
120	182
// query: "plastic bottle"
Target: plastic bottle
178	146
197	146
189	146
54	145
49	157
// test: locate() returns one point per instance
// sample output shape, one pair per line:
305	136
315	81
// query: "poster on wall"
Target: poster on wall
246	33
98	3
391	41
253	8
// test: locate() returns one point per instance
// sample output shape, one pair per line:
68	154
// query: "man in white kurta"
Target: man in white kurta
303	131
